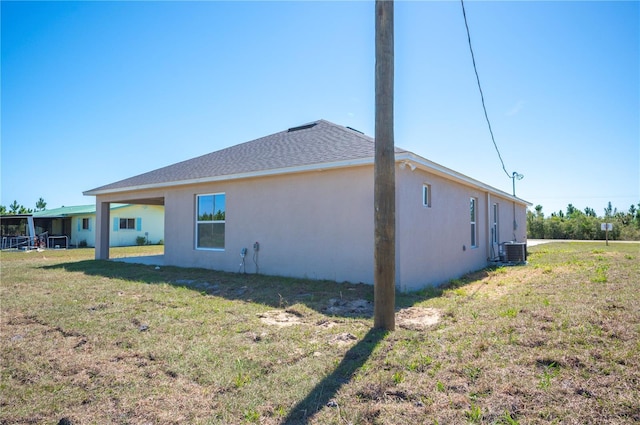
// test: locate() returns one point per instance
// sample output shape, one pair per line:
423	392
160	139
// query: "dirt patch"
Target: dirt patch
279	318
417	318
328	324
341	307
343	339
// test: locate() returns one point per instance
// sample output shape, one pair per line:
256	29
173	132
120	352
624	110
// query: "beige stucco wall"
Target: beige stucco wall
434	243
312	225
319	225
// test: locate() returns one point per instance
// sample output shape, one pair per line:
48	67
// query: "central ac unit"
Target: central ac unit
515	252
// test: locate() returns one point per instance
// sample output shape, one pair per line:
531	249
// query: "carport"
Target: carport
103	217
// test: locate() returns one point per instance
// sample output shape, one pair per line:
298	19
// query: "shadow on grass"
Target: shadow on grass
275	292
326	297
323	393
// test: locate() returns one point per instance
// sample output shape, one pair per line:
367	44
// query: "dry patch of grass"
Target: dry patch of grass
556	341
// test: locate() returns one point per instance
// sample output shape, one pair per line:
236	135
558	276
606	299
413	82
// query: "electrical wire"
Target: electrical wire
243	266
255	260
475	69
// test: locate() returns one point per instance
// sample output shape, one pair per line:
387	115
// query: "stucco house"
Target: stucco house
300	203
78	224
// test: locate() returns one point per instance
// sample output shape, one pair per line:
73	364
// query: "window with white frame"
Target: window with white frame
85	224
426	195
474	228
210	221
494	224
127	224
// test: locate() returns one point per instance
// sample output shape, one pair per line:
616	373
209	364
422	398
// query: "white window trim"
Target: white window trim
474	222
426	197
495	211
195	239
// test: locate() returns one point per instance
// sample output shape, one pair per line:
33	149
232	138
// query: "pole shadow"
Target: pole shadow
320	396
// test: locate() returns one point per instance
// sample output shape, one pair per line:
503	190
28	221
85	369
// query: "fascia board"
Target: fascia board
399	157
227	177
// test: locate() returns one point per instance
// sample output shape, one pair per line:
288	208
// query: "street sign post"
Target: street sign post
606	227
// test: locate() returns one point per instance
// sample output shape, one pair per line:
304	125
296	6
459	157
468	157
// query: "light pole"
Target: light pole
516	176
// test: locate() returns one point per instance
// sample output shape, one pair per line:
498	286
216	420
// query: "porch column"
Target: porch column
102	230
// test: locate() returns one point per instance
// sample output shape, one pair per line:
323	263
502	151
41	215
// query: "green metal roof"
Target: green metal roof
72	211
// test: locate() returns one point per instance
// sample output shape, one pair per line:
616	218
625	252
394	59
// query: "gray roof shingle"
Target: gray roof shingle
318	143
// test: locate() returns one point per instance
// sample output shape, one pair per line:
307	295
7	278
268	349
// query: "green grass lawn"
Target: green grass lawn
555	341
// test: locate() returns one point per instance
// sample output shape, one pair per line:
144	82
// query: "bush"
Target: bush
141	240
82	244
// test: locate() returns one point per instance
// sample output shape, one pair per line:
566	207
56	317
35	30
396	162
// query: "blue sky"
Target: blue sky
95	92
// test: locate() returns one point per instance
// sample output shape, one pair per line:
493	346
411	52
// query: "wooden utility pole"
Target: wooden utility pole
384	173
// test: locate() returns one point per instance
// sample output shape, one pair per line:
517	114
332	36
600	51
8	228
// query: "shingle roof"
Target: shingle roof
320	142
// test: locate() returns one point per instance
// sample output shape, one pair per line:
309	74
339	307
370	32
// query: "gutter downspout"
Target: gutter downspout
515	223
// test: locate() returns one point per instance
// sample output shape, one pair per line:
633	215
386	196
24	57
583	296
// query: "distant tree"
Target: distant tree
581	226
41	205
3	210
554	227
13	208
610	211
577	224
24	210
535	223
623	218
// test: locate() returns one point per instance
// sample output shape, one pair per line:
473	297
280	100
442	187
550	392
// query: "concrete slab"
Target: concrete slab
150	260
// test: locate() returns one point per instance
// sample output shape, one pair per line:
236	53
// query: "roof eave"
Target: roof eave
456	176
399	158
238	176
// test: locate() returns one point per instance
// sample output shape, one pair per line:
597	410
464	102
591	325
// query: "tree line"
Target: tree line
584	224
16	208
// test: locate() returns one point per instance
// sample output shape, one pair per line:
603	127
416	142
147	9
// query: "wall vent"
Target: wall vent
302	127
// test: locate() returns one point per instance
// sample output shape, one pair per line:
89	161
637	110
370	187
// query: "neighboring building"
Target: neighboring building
78	224
301	203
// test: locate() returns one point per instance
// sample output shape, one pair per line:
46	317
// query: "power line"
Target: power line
475	69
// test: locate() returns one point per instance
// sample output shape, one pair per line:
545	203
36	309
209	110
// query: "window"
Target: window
127	223
494	224
85	224
210	221
474	230
426	195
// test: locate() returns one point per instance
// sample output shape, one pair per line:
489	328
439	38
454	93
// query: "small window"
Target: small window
210	221
474	230
85	224
426	195
127	223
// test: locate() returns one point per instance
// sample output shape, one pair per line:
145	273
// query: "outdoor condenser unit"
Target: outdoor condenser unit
515	252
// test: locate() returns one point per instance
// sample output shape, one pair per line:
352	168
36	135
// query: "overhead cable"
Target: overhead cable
475	69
